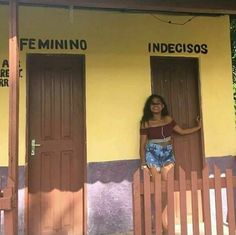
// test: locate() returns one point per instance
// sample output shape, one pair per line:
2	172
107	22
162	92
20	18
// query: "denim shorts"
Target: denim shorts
158	155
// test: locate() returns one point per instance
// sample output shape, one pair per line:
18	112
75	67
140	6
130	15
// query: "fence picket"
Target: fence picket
195	217
147	203
218	199
230	202
170	202
158	204
163	191
137	203
183	207
206	201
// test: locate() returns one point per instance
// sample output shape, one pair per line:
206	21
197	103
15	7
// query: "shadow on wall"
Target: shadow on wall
113	171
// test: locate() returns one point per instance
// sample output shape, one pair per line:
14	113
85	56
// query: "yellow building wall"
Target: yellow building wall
118	78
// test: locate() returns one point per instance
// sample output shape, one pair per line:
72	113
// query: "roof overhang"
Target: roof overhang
180	6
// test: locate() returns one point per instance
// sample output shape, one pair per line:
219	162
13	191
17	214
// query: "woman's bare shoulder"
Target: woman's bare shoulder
168	119
144	125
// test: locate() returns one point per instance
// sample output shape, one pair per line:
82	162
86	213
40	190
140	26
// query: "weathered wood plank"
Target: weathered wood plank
193	6
206	201
170	202
218	202
11	216
195	216
230	202
188	184
147	203
137	203
161	186
183	207
6	203
158	204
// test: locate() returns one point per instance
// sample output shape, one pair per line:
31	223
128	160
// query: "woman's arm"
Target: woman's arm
187	131
142	146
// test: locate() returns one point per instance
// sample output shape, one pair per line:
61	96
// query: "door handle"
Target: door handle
33	146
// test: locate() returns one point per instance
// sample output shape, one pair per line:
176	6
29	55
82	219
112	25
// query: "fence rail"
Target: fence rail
147	201
7	202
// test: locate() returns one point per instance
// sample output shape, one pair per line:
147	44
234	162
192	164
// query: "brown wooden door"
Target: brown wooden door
176	79
56	122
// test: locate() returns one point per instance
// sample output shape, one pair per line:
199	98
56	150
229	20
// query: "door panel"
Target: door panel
56	122
176	79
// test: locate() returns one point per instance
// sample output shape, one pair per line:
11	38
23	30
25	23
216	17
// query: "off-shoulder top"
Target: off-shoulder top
159	132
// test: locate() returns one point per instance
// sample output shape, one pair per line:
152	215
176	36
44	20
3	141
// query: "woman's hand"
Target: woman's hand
199	121
186	131
143	166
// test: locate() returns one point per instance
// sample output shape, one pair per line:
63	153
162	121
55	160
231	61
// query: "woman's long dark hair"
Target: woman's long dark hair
147	114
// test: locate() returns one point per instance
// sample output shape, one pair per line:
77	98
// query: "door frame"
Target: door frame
26	192
196	61
198	90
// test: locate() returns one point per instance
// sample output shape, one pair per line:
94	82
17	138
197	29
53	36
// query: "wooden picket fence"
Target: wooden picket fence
6	205
147	201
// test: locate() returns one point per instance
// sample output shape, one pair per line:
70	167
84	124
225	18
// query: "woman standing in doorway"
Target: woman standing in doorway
156	150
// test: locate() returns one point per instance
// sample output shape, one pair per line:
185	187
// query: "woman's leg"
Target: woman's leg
165	170
153	171
164	174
